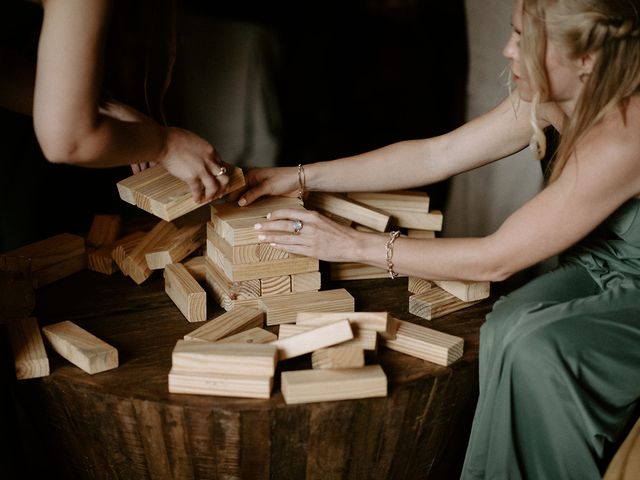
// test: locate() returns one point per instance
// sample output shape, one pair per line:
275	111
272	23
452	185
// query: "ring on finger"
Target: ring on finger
297	226
222	171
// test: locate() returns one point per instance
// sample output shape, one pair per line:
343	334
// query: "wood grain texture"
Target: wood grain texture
435	303
364	339
350	209
340	356
380	322
314	339
186	293
124	423
29	355
229	323
252	335
465	291
284	308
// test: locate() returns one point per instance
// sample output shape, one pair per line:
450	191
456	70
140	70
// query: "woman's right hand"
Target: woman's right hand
270	181
194	160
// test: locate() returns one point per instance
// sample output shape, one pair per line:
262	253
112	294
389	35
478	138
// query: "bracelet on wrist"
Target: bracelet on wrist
302	180
389	253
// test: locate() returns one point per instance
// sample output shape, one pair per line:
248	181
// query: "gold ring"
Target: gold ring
222	171
297	226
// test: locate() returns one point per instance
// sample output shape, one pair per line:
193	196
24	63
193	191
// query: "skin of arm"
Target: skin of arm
587	192
68	123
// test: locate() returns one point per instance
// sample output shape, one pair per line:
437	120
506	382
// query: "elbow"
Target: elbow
497	264
62	144
59	151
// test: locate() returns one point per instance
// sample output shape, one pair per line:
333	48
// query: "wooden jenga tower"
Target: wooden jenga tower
241	271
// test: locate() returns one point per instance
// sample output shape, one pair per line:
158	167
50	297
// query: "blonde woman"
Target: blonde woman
559	357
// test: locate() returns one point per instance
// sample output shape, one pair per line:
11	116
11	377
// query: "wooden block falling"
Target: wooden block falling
307	342
284	308
29	354
186	293
356	271
229	323
465	291
418	285
426	343
174	248
234	358
80	347
349	209
222	384
425	234
243	254
340	356
52	259
363	339
230	294
380	322
158	192
104	230
100	260
305	386
253	335
275	285
398	200
135	264
196	267
123	247
306	282
435	303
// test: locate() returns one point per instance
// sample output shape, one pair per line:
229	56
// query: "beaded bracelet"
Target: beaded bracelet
302	180
389	252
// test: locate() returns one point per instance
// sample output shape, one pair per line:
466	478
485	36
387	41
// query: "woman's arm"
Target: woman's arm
68	123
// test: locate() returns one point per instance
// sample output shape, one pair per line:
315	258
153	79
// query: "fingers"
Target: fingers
197	190
135	168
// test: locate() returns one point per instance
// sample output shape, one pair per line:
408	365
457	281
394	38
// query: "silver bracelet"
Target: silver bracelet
389	252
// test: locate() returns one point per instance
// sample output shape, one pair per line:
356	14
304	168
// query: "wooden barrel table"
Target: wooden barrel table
124	424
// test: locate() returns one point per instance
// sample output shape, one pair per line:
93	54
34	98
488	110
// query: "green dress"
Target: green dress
560	363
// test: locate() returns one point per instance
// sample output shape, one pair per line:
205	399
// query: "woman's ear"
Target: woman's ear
586	63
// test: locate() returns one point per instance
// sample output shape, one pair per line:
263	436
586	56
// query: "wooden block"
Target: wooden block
356	271
158	192
29	354
135	264
229	323
380	322
314	339
305	386
230	294
104	231
242	254
415	233
415	220
233	358
186	293
435	303
196	267
100	260
253	335
350	209
52	259
340	356
284	308
426	343
222	384
306	282
340	220
275	285
398	200
174	248
465	291
123	247
80	347
258	209
363	339
418	285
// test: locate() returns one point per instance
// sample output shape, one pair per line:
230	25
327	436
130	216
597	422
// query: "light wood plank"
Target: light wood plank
228	323
380	322
123	247
418	285
135	264
258	209
340	356
230	294
363	339
349	209
307	342
100	260
253	335
356	271
398	200
174	248
465	291
306	282
426	343
186	293
435	303
305	386
284	308
242	254
220	384
29	354
275	285
80	347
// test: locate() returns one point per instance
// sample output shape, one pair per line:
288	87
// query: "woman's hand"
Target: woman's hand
195	161
270	181
308	233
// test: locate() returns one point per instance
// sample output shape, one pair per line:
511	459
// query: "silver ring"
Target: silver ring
222	171
297	226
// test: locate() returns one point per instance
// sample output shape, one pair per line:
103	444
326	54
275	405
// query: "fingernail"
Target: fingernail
257	226
261	237
242	202
269	216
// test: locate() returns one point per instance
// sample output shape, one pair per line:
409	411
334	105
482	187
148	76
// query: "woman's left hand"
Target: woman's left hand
308	233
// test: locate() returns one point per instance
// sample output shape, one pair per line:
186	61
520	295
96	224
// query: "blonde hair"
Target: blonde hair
608	28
